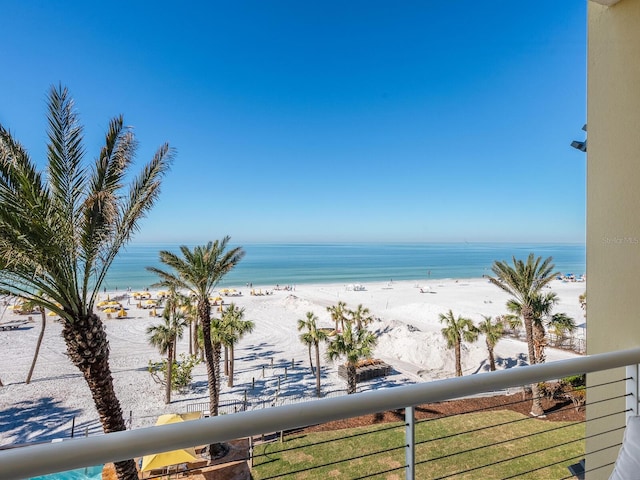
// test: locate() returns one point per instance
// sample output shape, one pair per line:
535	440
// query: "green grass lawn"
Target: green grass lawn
443	450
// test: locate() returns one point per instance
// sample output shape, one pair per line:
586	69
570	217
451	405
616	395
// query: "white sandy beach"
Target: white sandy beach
407	325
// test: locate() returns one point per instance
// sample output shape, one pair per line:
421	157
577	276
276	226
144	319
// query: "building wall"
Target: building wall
613	210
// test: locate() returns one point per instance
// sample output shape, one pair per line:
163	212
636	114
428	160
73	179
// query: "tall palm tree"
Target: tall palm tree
354	345
361	316
455	331
198	271
313	336
61	229
542	304
524	281
237	327
338	313
163	336
220	335
492	333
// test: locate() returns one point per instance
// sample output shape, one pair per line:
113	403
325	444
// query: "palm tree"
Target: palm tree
237	327
361	316
163	336
338	313
562	323
541	305
198	271
219	335
306	338
524	281
455	331
313	336
353	345
492	332
61	229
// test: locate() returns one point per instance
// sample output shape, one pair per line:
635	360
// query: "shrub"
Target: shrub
181	372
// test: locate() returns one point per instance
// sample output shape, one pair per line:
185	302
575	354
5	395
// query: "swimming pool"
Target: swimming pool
88	473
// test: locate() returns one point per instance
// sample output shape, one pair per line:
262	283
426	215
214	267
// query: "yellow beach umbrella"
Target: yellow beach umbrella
102	304
165	459
150	302
52	314
122	313
109	310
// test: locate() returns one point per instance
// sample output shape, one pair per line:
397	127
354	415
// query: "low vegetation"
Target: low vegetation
443	450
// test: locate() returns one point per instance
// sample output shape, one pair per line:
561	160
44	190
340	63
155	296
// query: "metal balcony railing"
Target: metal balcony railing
28	461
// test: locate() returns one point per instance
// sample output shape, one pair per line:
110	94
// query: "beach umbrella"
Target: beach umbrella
52	314
109	310
174	457
102	303
122	313
150	302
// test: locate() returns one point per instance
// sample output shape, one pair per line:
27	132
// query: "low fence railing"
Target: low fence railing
67	455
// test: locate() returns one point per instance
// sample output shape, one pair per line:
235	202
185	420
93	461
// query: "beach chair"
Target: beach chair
13	324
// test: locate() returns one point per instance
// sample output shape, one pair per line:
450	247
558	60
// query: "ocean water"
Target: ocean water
268	264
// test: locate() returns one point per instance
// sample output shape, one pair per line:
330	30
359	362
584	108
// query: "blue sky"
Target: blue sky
324	120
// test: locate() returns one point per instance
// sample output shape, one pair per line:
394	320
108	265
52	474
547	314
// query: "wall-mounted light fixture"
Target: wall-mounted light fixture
582	146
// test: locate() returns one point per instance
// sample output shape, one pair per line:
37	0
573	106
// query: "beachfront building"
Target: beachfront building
613	196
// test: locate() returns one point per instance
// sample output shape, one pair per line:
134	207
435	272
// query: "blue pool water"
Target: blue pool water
88	473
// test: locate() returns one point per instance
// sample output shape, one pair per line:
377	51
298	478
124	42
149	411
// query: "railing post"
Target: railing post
632	390
409	435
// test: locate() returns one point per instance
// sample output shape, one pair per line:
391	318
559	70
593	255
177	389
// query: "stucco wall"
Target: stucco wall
613	213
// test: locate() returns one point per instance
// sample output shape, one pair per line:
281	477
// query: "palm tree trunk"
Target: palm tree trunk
167	392
217	354
216	450
318	370
351	378
204	314
35	355
458	362
539	341
211	371
191	337
536	405
231	366
88	349
492	360
310	362
196	345
226	360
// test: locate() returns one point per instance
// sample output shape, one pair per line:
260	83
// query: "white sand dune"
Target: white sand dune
407	325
